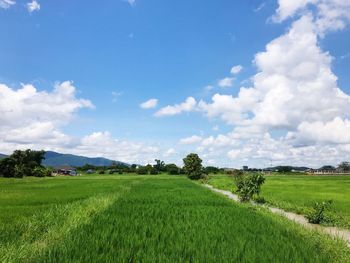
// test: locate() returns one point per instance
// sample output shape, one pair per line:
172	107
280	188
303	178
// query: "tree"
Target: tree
211	170
159	166
193	166
248	185
21	163
284	169
172	169
344	166
142	170
7	167
328	168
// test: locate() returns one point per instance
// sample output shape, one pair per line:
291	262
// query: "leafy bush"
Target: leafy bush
142	170
172	169
42	171
211	170
259	200
101	172
153	171
248	185
319	213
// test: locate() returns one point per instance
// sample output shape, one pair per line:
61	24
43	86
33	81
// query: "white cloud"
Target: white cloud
294	113
191	140
7	3
260	7
116	95
236	69
225	82
294	84
33	118
103	144
25	105
169	152
328	14
187	106
232	110
149	104
33	6
215	128
131	2
336	131
208	88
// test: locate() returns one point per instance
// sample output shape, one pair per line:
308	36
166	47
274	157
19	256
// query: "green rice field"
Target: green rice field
129	218
298	193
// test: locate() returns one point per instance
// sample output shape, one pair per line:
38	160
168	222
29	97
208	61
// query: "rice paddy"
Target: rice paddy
298	193
145	219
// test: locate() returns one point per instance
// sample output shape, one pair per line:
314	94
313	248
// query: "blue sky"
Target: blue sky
118	54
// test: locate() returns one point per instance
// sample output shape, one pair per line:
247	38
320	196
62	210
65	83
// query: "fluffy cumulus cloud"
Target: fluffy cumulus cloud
34	119
31	117
103	144
294	112
7	3
33	6
236	69
328	14
149	104
225	82
188	105
260	149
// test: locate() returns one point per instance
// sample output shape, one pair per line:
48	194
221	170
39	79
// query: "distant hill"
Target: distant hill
60	159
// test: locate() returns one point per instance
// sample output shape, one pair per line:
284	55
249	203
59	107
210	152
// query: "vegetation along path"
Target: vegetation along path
334	231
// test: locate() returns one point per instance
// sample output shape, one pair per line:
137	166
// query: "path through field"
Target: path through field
333	231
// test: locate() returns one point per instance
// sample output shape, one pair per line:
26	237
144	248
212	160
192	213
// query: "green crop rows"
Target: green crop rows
145	219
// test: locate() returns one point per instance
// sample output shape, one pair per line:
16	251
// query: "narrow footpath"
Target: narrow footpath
333	231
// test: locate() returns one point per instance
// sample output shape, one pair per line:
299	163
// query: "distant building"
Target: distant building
65	170
245	168
327	169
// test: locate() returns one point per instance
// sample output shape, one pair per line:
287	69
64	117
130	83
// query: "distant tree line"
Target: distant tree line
158	168
29	163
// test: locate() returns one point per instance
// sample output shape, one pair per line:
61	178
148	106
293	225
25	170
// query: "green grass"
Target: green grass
298	193
148	219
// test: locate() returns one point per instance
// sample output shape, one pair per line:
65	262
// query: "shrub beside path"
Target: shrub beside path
333	231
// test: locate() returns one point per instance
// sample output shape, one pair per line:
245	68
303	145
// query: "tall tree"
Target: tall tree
193	166
159	166
344	166
21	163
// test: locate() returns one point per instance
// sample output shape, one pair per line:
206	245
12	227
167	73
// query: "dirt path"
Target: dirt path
333	231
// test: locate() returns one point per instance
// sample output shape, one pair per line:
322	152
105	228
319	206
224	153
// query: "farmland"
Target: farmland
298	193
145	218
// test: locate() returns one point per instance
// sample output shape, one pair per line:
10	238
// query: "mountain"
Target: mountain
59	159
